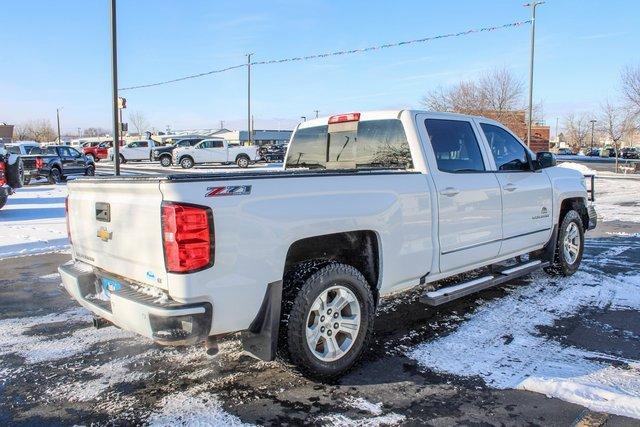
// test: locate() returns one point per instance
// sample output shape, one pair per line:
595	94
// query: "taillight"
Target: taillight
3	175
39	163
187	236
66	215
342	118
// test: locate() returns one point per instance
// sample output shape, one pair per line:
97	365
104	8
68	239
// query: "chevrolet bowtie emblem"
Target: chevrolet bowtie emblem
104	234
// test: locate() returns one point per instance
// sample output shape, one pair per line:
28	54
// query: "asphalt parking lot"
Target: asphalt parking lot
56	369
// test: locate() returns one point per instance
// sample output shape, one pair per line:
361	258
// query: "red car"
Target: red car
97	150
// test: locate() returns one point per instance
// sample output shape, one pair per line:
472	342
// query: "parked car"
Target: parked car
56	163
608	152
301	257
97	151
165	154
593	152
136	150
273	153
565	152
216	150
629	153
21	148
11	174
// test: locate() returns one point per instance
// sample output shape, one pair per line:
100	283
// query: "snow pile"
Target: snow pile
502	344
584	170
361	404
33	221
185	409
364	405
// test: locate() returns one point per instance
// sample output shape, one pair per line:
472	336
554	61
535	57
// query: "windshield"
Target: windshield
373	144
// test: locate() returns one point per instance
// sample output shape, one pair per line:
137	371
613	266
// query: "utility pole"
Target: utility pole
593	123
316	111
79	134
249	97
58	120
221	124
533	6
114	82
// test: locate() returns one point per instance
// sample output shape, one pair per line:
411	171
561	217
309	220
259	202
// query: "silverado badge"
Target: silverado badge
104	234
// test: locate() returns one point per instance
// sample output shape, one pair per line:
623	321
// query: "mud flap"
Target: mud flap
261	339
549	250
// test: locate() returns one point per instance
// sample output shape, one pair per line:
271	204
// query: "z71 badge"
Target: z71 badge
232	190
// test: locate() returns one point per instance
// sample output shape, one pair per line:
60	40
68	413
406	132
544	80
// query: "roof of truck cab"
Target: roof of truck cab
384	114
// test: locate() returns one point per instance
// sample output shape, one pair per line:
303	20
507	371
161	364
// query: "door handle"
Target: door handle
510	187
449	191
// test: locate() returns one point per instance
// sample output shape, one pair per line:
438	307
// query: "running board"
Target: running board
449	293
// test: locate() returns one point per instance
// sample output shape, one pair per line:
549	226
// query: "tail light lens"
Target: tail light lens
3	176
39	163
66	215
188	237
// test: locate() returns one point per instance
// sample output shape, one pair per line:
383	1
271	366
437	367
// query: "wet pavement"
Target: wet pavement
55	369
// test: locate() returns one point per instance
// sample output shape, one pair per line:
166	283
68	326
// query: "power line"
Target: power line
336	53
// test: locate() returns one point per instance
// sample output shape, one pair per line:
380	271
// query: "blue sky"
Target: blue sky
58	54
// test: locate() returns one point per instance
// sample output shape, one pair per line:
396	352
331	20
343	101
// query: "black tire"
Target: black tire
122	159
296	313
90	171
55	176
563	263
186	162
26	180
242	161
15	173
165	161
3	200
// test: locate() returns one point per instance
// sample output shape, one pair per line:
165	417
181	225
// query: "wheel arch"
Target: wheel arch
359	249
578	204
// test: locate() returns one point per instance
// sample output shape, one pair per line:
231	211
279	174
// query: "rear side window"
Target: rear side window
377	144
508	153
455	146
13	149
218	144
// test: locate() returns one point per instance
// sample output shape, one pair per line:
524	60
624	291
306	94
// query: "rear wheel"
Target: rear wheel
122	159
186	162
242	161
26	180
55	176
570	246
3	200
330	321
165	161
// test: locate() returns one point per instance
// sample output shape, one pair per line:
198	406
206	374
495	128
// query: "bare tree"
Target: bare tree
34	130
139	121
577	129
616	123
498	90
93	132
630	78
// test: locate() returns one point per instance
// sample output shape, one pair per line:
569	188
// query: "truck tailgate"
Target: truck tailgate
116	226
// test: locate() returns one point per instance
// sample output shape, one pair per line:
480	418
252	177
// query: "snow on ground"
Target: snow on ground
502	341
33	221
585	170
618	199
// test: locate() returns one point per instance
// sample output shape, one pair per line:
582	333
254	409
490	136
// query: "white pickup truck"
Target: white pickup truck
136	150
368	205
215	150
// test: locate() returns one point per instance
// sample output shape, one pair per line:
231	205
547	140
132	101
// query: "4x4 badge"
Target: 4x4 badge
104	234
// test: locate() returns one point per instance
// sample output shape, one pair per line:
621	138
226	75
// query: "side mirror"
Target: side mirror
545	159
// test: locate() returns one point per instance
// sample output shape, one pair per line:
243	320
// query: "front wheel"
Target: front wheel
26	180
122	159
165	161
570	246
330	322
90	171
186	163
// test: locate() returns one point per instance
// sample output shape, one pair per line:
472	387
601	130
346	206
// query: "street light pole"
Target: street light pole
58	120
114	82
593	122
249	96
533	6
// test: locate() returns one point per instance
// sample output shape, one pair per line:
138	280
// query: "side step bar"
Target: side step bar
460	290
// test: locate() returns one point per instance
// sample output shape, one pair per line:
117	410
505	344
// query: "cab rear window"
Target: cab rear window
373	144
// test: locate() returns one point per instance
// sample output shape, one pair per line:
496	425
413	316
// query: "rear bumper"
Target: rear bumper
165	321
593	217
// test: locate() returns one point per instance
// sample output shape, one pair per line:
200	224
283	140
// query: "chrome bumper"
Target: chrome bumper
167	322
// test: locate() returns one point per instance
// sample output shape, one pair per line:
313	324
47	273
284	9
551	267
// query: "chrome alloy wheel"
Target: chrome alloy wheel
571	243
333	323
